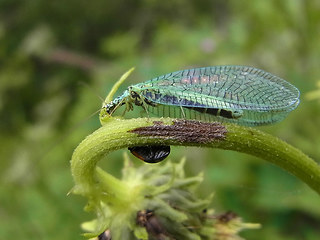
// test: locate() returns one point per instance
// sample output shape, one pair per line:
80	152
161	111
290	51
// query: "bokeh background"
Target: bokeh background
58	57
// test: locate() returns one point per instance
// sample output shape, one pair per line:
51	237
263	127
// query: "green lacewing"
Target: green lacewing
238	94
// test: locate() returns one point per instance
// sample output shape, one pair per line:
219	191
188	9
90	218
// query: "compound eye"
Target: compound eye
108	110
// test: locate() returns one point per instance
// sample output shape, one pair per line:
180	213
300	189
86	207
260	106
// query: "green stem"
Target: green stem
117	134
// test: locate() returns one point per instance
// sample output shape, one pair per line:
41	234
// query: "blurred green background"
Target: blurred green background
58	56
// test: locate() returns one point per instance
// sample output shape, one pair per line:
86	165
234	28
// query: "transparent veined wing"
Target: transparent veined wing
222	87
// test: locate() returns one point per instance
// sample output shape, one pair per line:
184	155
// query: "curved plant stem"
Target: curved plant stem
117	134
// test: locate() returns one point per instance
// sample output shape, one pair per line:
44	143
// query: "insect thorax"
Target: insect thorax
138	99
135	97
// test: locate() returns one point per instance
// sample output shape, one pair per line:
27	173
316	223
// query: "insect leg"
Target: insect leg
123	101
145	106
182	112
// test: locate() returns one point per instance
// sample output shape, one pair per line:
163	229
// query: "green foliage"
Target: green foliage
48	47
156	203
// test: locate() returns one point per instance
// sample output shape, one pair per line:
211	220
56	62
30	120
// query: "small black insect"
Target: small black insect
149	220
106	235
150	154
